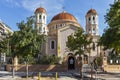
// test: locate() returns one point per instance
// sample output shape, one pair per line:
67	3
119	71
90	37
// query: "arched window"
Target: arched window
52	45
39	16
93	18
43	17
60	25
93	30
85	59
89	18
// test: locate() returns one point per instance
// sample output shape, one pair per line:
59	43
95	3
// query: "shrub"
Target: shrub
49	60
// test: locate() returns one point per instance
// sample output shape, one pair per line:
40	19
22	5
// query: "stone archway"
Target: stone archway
71	63
85	59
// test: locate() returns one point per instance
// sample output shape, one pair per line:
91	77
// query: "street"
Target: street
62	75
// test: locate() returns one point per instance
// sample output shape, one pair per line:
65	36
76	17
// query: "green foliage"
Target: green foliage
5	45
49	60
29	59
79	42
111	36
25	42
113	15
99	61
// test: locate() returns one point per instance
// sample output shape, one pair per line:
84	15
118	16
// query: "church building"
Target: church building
60	27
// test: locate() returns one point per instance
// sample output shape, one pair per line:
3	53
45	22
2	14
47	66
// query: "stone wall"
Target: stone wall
61	68
38	68
110	67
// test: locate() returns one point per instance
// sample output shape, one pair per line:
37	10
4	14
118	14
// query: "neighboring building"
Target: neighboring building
60	27
4	29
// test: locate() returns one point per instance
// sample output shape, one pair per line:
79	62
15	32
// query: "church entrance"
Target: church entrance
71	63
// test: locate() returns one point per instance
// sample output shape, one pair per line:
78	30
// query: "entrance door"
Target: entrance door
71	63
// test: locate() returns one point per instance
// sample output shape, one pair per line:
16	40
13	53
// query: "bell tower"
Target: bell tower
92	22
92	29
41	20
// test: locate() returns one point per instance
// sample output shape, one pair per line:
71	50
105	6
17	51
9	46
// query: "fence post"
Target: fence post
56	76
39	75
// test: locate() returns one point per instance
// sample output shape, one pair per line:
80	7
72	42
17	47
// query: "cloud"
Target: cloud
52	6
32	5
12	3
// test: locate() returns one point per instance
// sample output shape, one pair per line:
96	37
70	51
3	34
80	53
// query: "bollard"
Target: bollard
91	73
39	75
56	76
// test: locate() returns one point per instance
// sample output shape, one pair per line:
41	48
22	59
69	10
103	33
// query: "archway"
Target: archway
85	59
71	63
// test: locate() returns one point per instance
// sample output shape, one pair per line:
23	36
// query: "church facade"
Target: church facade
60	27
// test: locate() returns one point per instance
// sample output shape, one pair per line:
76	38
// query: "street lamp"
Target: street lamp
13	72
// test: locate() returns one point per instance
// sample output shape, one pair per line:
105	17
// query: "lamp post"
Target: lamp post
26	62
13	72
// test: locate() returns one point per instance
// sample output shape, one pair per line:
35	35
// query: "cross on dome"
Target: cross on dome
63	8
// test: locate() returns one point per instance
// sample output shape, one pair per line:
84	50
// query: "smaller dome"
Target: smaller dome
40	9
93	11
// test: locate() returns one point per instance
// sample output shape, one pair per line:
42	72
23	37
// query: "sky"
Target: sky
14	11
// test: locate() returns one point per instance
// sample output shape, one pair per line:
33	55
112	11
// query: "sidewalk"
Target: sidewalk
70	75
104	76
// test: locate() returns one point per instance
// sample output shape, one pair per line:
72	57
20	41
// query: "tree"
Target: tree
111	36
4	43
79	43
25	42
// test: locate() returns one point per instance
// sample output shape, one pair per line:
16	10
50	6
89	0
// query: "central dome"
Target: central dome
64	16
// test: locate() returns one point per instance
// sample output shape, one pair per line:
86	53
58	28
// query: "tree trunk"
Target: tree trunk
80	66
15	62
27	70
